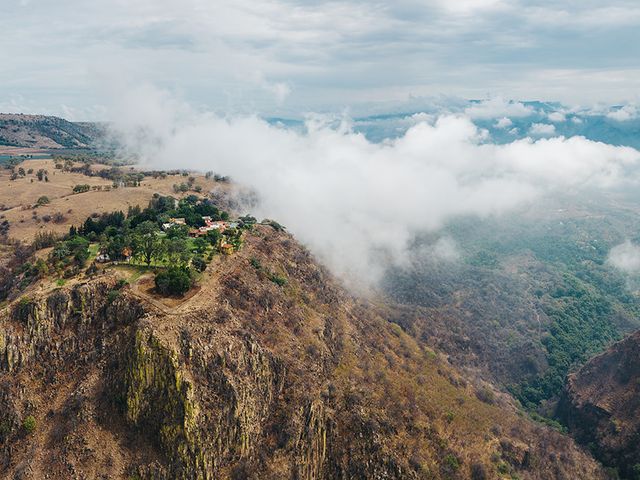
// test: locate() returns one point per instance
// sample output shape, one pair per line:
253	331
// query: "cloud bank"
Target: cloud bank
297	55
355	203
625	257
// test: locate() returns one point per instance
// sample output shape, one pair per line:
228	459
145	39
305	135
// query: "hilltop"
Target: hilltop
41	131
248	378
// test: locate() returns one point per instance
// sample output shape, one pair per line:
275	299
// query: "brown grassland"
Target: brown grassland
20	196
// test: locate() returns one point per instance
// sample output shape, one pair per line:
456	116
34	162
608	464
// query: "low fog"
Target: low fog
625	257
356	204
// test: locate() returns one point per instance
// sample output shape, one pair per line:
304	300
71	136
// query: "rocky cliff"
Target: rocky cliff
249	378
601	405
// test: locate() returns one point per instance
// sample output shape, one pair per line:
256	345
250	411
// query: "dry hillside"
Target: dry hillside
247	379
601	405
18	197
40	131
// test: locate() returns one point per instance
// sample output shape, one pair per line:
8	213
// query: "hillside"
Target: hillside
601	406
248	378
40	131
530	298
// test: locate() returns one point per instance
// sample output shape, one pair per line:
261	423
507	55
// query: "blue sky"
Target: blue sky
288	57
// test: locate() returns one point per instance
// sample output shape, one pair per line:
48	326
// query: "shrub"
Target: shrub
199	264
255	263
486	395
44	240
452	462
173	281
81	188
43	200
278	279
58	218
29	424
112	295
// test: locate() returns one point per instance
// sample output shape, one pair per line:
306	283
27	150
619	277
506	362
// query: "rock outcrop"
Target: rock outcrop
601	406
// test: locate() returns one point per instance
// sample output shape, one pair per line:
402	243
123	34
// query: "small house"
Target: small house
102	258
226	248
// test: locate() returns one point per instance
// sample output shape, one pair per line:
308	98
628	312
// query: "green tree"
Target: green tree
199	264
177	250
147	244
214	237
78	249
177	231
173	281
200	245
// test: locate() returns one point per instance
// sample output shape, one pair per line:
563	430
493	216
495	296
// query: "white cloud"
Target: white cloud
358	204
625	113
625	257
468	7
557	117
504	123
498	107
542	129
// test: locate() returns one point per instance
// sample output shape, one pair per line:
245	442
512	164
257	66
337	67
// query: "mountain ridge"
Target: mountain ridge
43	131
250	379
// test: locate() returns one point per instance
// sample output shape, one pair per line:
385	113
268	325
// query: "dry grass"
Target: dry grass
20	195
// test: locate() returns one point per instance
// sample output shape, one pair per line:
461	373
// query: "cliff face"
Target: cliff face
249	378
601	405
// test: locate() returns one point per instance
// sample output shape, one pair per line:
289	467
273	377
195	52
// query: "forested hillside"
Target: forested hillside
40	131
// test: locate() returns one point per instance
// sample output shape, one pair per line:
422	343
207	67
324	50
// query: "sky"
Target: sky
292	57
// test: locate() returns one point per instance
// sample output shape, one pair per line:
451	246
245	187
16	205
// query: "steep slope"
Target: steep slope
601	405
249	378
40	131
530	297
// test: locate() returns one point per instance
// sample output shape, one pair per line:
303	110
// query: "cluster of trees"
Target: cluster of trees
119	175
81	188
84	157
138	234
185	187
581	327
19	172
162	209
218	178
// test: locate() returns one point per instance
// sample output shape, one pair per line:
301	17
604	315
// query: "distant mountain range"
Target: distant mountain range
41	131
535	120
